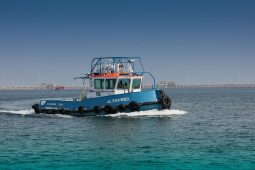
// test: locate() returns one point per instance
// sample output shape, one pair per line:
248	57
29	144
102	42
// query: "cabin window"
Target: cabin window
136	83
123	83
110	83
99	83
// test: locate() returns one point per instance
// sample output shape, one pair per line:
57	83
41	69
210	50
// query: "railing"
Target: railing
154	85
115	60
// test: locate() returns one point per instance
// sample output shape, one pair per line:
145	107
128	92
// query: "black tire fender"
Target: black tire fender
109	109
80	109
97	109
166	102
49	111
121	108
36	108
134	106
62	111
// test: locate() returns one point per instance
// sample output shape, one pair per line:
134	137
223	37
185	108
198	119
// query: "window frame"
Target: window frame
109	85
102	82
129	81
134	79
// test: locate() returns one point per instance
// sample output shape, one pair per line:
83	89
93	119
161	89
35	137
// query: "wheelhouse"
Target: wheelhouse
104	86
115	75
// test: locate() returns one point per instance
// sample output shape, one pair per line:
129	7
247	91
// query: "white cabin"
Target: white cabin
111	85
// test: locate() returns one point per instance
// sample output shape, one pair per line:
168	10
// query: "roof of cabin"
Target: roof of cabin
114	75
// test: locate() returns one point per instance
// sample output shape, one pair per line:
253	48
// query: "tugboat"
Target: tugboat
115	85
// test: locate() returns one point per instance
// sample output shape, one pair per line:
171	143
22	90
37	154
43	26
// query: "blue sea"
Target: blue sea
206	128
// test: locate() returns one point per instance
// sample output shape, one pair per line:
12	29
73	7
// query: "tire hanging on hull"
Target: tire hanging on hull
121	108
97	109
36	108
166	102
80	109
62	111
134	106
109	109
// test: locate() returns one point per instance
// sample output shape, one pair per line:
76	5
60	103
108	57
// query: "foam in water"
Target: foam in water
61	116
150	113
30	111
20	112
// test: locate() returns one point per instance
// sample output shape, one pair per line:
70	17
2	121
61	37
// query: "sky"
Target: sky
193	42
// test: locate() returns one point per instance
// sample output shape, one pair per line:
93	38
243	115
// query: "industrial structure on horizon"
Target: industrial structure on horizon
167	84
47	86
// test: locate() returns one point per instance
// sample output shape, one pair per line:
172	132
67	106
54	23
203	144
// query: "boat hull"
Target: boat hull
128	102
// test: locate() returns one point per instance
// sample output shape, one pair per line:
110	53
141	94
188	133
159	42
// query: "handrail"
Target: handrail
154	86
99	59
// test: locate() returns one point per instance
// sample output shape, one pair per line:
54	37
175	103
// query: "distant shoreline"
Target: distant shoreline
177	86
37	88
216	86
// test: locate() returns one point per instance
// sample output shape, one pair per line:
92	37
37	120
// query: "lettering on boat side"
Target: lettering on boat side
98	93
51	104
118	100
43	102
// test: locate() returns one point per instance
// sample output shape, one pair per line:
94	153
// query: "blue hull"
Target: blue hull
128	102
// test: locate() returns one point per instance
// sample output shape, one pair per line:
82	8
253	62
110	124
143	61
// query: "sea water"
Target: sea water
206	128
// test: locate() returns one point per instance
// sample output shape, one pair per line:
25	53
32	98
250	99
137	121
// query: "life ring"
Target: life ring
134	106
166	102
97	109
80	109
121	108
109	109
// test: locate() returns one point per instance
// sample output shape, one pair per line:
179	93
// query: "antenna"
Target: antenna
239	77
186	78
39	77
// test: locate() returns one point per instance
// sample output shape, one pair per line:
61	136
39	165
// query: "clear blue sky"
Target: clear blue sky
206	41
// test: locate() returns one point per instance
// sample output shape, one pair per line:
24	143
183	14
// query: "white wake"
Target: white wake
60	116
150	113
20	112
31	111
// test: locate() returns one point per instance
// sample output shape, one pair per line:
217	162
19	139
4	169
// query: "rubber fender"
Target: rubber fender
166	102
80	109
36	108
122	108
49	111
134	106
62	111
97	109
109	109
